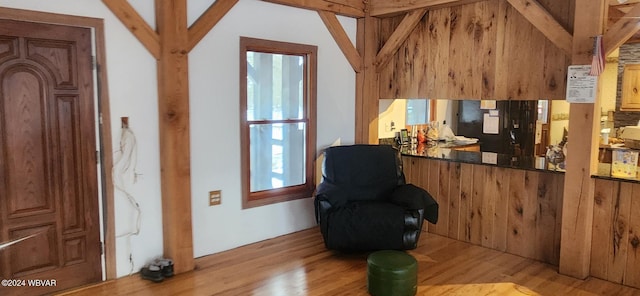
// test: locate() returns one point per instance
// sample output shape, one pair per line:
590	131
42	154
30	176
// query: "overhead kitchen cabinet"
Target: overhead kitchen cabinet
631	88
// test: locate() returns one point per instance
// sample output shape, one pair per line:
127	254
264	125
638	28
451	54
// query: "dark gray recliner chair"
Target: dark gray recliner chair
364	204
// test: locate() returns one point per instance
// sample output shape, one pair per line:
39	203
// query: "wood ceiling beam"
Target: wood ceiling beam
350	8
391	7
540	18
622	30
208	20
398	36
616	3
613	15
342	39
136	24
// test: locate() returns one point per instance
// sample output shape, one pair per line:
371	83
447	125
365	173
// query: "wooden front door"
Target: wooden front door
48	172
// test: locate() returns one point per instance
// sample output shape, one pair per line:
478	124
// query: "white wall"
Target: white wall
608	88
214	82
215	144
391	110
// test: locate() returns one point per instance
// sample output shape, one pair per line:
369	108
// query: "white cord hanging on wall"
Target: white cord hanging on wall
124	172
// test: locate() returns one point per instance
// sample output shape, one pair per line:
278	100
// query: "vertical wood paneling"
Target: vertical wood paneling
419	61
477	201
615	254
530	205
559	185
515	222
478	14
489	49
488	206
553	78
465	52
601	241
414	61
500	218
461	43
466	199
517	80
620	233
546	218
632	273
431	184
407	167
454	200
442	228
394	75
439	31
510	210
536	62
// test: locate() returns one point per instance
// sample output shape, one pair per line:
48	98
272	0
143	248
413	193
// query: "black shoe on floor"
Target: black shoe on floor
152	273
166	266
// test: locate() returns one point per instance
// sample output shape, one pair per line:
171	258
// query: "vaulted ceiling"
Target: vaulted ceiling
617	11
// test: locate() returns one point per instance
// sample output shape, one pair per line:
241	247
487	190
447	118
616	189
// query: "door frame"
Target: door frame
104	124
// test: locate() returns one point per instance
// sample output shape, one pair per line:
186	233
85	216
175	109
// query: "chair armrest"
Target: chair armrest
322	206
416	198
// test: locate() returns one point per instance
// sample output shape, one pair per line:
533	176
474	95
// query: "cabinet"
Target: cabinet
631	88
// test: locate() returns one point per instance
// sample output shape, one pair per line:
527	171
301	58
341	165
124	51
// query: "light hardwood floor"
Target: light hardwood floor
299	264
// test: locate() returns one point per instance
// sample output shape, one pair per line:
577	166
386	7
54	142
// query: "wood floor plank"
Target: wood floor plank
299	264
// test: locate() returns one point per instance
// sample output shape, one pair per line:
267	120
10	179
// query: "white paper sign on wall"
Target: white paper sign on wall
581	87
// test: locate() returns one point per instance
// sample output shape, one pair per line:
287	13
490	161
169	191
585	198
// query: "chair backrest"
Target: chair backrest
367	172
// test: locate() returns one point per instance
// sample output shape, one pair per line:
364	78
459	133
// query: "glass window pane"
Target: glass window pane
277	155
417	111
275	86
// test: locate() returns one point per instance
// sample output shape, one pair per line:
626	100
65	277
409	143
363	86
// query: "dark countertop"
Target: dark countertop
447	152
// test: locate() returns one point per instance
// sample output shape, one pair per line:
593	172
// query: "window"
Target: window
277	106
420	111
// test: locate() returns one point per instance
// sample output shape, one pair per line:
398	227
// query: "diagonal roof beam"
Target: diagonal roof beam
540	18
622	30
208	20
350	8
342	39
398	36
136	24
617	3
391	7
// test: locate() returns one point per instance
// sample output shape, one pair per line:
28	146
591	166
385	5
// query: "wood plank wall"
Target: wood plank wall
482	50
509	210
615	251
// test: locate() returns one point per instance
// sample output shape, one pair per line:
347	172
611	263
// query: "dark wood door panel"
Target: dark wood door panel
48	176
8	48
59	57
35	255
26	166
67	132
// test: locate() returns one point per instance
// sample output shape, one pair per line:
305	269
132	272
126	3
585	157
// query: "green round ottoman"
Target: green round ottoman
392	273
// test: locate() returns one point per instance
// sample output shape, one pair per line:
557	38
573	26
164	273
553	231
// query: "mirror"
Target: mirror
532	125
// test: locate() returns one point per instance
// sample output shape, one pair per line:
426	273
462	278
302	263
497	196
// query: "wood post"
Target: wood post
367	81
173	108
582	146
